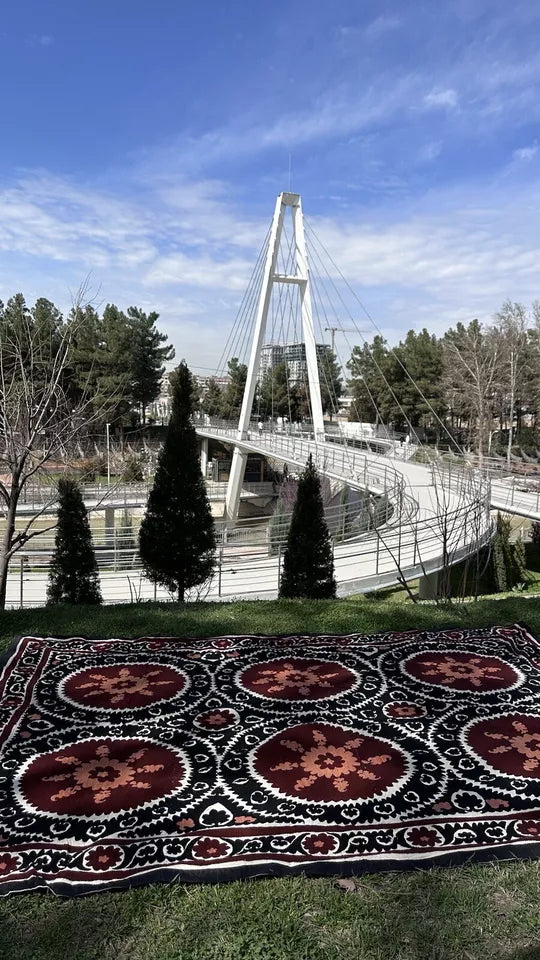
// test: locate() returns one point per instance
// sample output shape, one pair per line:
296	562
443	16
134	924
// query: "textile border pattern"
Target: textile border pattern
125	762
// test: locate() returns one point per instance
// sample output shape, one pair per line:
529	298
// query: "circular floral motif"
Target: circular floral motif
528	828
320	844
104	858
403	710
509	744
9	862
210	848
297	679
323	763
100	777
423	837
125	686
474	673
220	719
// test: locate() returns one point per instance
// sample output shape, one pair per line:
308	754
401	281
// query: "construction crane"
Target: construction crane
334	330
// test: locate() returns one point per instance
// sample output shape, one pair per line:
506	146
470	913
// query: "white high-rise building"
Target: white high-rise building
293	354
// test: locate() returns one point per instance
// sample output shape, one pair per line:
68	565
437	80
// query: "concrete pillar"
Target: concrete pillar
428	587
204	456
234	487
109	525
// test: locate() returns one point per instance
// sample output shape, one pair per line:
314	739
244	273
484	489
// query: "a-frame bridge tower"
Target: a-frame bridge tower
286	203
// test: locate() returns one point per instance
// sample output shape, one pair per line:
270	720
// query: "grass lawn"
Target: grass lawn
467	913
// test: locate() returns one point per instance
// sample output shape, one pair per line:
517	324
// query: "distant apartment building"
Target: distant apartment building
203	382
293	354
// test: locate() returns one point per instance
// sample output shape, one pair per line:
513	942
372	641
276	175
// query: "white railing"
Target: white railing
376	560
424	527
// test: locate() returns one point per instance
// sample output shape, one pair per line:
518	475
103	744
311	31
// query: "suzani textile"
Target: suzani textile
132	761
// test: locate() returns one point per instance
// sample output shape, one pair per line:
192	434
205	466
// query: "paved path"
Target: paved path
435	519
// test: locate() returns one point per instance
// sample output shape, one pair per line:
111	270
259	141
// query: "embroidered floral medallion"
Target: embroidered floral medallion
157	759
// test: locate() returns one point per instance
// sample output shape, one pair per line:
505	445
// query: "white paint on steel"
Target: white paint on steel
270	276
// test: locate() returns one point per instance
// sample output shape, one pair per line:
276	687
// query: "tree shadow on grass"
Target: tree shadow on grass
43	927
475	912
527	953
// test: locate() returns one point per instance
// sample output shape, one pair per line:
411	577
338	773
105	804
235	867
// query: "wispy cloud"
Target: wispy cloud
441	98
430	151
189	253
381	25
525	153
41	40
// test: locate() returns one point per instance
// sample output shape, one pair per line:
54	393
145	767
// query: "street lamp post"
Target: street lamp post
107	427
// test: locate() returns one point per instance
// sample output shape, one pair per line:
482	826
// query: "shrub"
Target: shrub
308	565
73	573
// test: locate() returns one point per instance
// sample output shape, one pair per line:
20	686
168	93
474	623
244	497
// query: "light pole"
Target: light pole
107	426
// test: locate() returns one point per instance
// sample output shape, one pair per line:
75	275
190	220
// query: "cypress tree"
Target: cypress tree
520	562
177	539
73	573
308	566
507	560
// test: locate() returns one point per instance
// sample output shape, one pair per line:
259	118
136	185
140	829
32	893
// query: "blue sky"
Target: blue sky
144	143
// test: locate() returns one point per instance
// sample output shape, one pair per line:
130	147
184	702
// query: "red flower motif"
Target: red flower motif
9	863
104	858
529	828
404	710
320	843
423	837
244	819
223	643
215	719
209	848
187	824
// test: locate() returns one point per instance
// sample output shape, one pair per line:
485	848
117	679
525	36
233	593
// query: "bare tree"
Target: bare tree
512	323
39	422
471	362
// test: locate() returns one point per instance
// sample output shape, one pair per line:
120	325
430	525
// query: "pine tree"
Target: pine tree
147	357
520	562
233	394
508	562
278	527
73	572
308	566
177	539
212	401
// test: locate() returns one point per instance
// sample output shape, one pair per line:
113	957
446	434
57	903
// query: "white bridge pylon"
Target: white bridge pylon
300	277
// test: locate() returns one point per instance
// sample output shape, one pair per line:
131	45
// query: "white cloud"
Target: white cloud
380	26
525	153
441	98
41	40
430	151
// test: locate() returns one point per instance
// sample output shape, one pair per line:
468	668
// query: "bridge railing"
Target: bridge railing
377	560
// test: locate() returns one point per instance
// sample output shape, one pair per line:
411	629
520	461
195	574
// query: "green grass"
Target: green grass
468	913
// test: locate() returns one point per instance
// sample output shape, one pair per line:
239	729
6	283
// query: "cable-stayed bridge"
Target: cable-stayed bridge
434	513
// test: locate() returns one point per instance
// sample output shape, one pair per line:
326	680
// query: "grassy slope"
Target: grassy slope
461	914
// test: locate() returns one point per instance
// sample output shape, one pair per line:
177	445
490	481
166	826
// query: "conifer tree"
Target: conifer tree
520	562
508	562
147	357
177	539
73	572
308	566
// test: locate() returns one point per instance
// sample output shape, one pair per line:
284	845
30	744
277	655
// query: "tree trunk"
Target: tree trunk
511	413
6	546
181	592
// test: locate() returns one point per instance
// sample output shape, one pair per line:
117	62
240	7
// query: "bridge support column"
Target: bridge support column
428	587
204	456
234	486
109	525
